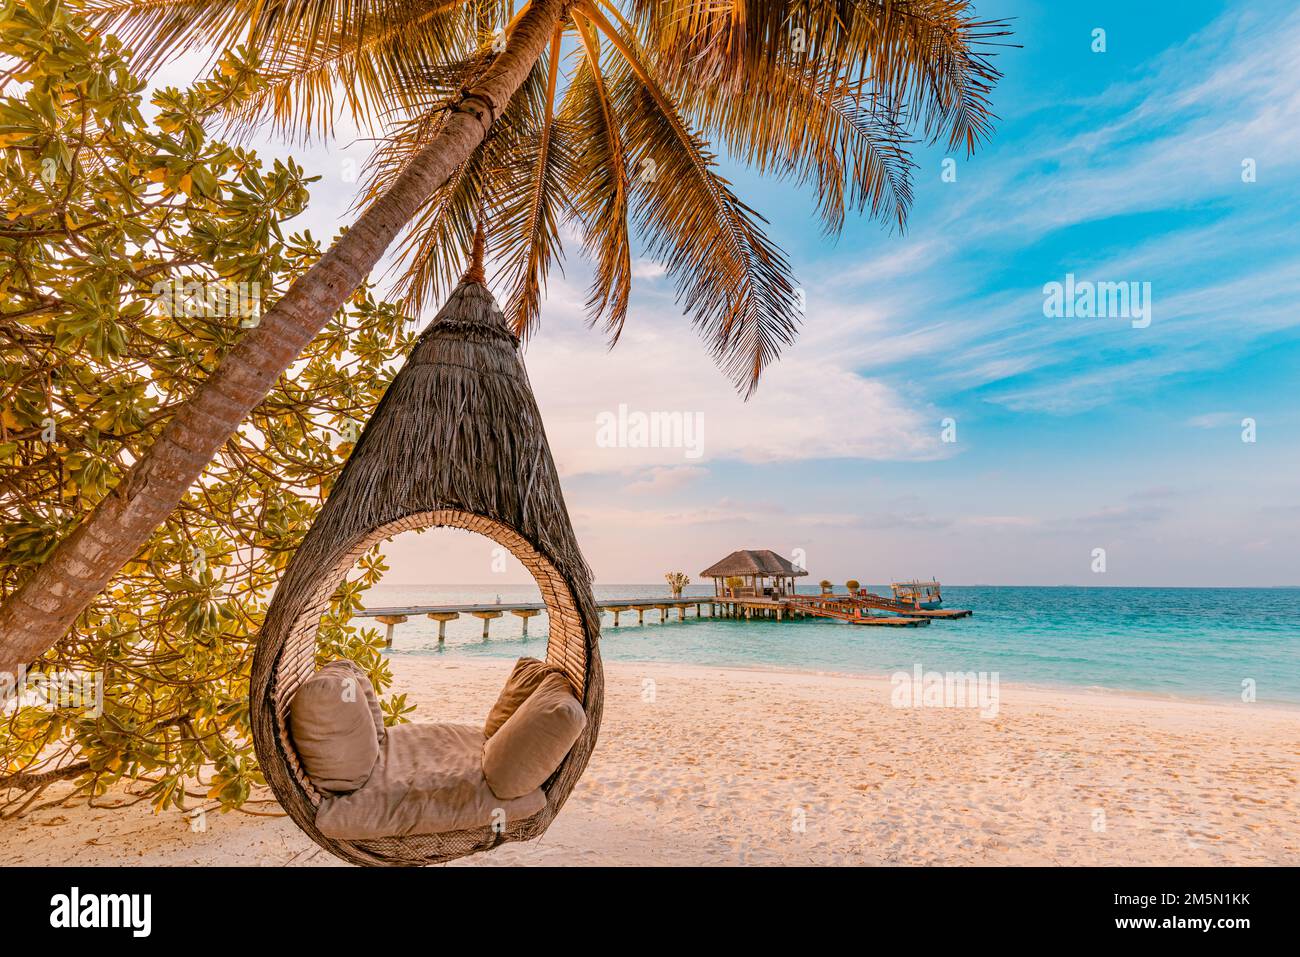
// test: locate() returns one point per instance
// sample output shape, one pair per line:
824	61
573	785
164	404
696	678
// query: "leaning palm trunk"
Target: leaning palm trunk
44	608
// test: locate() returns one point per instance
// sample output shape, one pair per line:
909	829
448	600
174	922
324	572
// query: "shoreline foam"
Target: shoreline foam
1065	687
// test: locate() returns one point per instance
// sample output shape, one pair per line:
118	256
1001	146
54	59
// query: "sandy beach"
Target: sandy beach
714	766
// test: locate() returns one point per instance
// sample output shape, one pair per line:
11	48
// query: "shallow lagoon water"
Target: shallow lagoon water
1187	642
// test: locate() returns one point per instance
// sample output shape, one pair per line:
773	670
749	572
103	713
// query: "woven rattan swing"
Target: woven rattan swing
456	441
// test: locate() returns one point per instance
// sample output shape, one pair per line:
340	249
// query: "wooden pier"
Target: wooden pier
442	614
856	609
838	607
849	608
752	581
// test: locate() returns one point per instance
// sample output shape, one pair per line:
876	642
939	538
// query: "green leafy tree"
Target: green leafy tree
132	254
677	581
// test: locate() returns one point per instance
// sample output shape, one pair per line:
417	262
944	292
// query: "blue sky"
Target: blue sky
1072	434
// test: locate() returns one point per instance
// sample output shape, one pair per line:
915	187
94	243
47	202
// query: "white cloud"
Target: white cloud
1000	521
1214	420
646	269
810	405
664	478
723	513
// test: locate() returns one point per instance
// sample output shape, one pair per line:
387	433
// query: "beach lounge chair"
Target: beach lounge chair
457	441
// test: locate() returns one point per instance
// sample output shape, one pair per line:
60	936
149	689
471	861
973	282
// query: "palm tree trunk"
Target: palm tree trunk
36	616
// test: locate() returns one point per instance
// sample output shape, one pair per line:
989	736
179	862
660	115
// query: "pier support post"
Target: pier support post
640	616
524	614
390	621
442	617
487	617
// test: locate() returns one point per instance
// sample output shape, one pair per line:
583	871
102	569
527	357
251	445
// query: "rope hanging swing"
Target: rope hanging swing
457	441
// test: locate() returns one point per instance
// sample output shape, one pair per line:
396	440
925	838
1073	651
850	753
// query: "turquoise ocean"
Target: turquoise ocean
1182	642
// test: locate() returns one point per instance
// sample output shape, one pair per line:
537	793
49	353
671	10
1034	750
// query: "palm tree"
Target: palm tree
589	112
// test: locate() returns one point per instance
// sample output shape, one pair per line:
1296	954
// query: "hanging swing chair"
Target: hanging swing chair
456	441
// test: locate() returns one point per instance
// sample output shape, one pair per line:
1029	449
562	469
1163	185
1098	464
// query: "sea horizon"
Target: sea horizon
809	589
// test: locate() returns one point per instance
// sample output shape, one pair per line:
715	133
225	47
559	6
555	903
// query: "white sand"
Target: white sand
720	766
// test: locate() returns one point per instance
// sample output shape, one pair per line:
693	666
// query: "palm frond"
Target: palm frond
599	186
159	30
434	248
931	58
402	44
805	122
309	51
527	213
734	283
934	56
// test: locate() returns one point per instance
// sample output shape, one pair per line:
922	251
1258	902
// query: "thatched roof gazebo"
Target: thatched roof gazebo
762	572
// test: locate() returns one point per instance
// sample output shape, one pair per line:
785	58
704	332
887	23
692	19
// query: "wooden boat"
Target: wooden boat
919	594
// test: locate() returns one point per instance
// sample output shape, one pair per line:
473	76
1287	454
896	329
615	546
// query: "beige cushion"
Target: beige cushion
372	699
534	740
523	681
429	779
355	677
333	727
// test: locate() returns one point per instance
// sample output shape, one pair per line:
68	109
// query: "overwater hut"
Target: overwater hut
753	572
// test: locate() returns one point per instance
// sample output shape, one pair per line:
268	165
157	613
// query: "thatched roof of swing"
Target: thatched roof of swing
753	561
459	429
